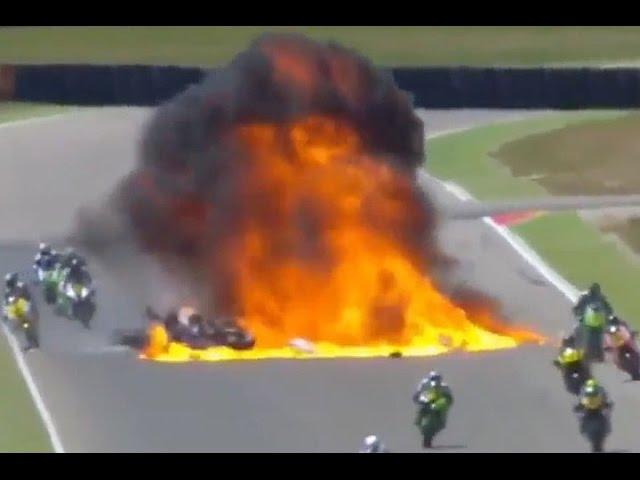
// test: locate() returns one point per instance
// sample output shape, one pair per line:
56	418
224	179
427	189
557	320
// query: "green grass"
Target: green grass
591	158
12	111
22	427
577	250
466	157
389	46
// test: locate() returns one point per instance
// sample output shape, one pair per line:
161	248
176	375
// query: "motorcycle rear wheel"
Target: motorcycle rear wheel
630	364
50	295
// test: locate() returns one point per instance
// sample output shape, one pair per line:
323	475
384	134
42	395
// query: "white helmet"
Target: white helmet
372	444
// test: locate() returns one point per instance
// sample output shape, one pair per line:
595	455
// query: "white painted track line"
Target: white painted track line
47	419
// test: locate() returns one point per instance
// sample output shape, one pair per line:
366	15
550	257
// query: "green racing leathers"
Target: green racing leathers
433	403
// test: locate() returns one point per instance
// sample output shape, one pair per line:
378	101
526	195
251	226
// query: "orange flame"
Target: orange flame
324	256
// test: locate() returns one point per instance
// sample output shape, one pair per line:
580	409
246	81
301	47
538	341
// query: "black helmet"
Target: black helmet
434	378
45	248
195	319
614	320
10	280
595	289
568	341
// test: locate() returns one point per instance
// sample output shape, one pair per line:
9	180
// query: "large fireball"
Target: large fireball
284	188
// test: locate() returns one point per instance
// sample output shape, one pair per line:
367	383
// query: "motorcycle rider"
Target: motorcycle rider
440	400
433	383
592	295
568	352
372	444
13	287
77	274
616	321
47	258
68	256
592	397
572	364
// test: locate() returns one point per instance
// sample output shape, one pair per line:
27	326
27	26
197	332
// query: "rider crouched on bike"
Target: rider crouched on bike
13	287
434	385
619	324
433	398
47	259
593	295
569	354
68	257
593	397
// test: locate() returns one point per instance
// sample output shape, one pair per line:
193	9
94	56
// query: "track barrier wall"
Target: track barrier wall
430	87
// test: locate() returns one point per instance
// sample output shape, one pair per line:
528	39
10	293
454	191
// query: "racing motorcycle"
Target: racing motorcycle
230	336
575	372
49	280
76	302
431	416
595	424
591	332
22	314
199	335
620	342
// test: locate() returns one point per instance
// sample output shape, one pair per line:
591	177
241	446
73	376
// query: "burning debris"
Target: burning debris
284	187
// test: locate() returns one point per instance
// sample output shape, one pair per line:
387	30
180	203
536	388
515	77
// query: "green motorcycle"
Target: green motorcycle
591	334
50	282
432	415
76	301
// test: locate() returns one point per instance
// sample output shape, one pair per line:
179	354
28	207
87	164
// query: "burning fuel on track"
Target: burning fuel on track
284	187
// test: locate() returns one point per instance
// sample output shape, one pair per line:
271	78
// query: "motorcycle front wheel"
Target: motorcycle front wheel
31	338
83	312
630	364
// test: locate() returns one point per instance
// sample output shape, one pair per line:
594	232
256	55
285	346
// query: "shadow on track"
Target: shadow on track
448	447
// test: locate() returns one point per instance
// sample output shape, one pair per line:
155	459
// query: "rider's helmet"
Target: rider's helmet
595	290
44	248
614	320
195	320
569	341
591	387
434	378
372	444
10	280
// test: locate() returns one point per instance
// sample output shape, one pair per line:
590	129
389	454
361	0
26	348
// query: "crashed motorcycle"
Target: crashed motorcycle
595	423
230	336
76	302
621	345
22	315
591	332
198	336
575	372
431	417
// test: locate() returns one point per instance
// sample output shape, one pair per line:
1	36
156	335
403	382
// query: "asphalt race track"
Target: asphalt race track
105	400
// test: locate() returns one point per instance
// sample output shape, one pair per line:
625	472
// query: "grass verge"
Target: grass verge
389	46
13	111
576	249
